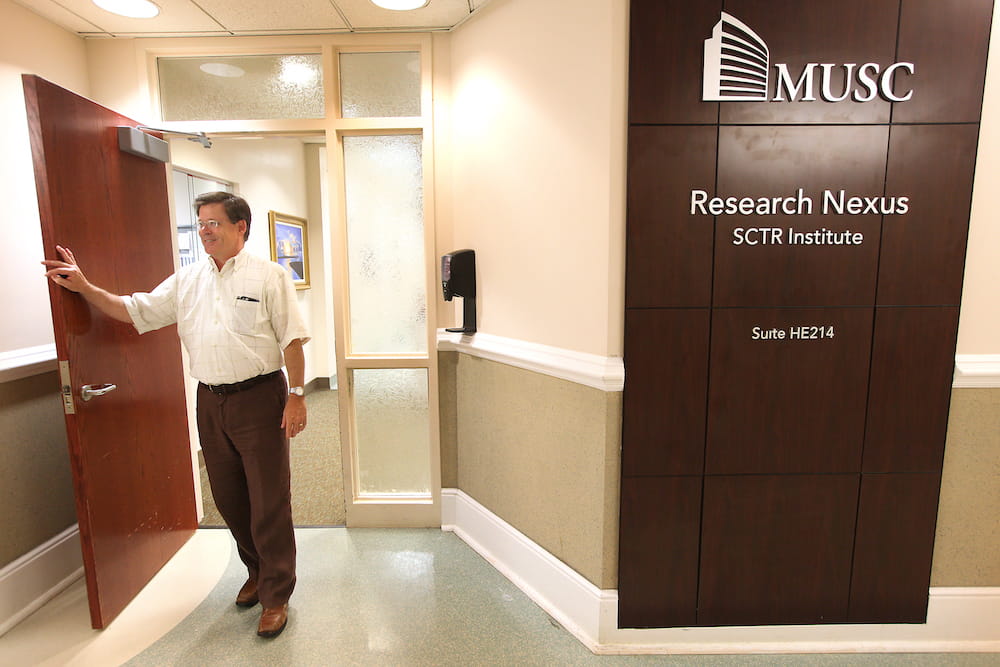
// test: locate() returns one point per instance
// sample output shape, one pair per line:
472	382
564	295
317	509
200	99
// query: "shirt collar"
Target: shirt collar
235	261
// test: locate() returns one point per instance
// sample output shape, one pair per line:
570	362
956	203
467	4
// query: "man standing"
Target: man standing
238	318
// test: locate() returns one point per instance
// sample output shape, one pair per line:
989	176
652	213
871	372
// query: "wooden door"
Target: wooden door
129	449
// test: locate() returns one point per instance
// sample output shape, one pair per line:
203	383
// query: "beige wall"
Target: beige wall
28	44
979	326
447	315
318	300
118	77
537	148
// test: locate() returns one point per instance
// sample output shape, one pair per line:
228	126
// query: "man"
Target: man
238	317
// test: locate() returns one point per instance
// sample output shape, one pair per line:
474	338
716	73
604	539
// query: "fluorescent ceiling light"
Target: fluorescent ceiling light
400	5
294	72
135	9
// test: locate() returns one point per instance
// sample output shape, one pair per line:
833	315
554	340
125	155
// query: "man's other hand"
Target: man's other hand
293	420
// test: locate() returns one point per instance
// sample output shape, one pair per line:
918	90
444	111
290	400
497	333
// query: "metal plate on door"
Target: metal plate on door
67	388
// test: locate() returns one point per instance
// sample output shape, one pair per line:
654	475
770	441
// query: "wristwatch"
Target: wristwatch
298	391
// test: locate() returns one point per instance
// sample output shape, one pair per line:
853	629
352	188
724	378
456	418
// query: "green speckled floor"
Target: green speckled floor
418	597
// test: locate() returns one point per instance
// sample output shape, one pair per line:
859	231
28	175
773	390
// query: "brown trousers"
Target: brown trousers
246	456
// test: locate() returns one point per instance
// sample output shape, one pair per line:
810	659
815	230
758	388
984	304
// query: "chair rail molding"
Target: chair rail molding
977	370
608	373
592	370
27	361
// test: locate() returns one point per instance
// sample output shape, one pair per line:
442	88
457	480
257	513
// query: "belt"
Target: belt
239	386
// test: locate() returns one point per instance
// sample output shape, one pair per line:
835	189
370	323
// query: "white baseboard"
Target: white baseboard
959	619
38	576
567	597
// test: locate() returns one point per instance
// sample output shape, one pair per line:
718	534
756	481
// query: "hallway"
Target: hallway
364	597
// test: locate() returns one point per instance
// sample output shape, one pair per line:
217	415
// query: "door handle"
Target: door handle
89	391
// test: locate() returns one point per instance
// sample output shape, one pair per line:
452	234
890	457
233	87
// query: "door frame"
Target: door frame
362	510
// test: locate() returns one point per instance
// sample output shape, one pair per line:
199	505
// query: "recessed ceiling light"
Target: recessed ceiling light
400	5
134	9
294	72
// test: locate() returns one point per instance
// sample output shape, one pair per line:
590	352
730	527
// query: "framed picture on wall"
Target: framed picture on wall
289	246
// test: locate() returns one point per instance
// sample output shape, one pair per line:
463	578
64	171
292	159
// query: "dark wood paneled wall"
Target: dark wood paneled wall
766	478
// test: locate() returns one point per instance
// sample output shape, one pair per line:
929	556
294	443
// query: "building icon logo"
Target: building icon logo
738	67
737	63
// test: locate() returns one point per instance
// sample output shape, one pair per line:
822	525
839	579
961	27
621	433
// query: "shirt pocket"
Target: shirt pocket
245	314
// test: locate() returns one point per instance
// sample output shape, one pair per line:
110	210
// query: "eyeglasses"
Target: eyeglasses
208	223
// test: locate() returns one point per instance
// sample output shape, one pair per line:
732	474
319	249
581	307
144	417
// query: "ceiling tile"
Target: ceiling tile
268	15
259	17
363	15
56	13
176	16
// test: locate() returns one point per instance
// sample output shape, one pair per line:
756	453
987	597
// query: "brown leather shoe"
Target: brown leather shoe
247	597
273	621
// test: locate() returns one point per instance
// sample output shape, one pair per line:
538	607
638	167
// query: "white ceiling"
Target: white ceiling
188	18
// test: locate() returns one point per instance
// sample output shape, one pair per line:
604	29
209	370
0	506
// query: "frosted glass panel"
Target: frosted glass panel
393	433
241	87
385	244
375	85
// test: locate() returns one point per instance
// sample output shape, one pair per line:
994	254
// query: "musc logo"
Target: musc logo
738	69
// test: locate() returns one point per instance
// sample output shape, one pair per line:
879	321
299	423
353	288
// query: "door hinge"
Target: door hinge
67	388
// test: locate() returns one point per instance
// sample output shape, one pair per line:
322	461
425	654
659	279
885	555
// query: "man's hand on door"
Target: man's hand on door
66	273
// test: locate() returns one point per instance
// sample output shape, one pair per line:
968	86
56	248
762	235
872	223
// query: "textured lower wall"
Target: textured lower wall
542	454
36	485
447	409
967	545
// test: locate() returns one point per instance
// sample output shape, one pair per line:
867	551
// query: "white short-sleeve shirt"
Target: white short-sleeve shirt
234	322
